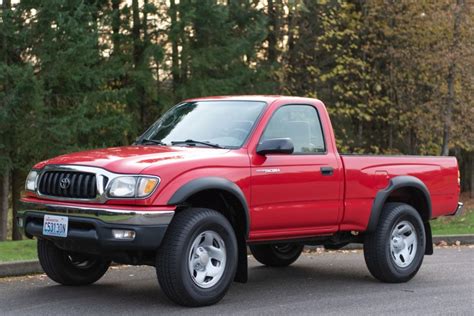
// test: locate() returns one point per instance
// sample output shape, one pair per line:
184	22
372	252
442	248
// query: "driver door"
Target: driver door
298	194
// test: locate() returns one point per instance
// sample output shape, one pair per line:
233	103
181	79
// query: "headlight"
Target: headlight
132	187
30	183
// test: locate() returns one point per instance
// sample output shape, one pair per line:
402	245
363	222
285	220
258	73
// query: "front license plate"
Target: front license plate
55	226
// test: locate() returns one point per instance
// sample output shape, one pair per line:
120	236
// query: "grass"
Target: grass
454	225
457	225
18	250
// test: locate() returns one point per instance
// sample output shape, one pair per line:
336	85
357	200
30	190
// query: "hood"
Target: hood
132	159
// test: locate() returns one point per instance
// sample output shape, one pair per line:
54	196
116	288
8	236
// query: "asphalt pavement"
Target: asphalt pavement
336	283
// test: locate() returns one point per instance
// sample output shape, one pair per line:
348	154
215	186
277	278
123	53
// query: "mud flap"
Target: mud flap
241	275
429	239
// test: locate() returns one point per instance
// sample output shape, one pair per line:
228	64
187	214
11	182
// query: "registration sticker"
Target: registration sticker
55	226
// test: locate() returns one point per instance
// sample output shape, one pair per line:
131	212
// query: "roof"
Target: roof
266	98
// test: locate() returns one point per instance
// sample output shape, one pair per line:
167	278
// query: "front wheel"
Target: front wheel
197	260
277	255
394	251
70	268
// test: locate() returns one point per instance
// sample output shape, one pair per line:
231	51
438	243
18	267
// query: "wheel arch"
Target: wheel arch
405	189
200	186
225	197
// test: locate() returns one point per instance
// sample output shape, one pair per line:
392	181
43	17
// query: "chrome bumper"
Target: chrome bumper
109	216
458	210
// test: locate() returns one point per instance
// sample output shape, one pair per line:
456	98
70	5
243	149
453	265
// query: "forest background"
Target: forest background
396	76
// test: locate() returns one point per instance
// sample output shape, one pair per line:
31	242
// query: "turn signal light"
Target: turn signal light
146	186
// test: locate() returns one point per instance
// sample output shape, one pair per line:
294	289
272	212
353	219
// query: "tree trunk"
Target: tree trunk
116	25
136	33
451	99
184	41
390	136
144	25
288	55
4	190
272	32
360	131
5	50
143	62
472	174
413	143
448	110
4	178
174	36
138	47
16	187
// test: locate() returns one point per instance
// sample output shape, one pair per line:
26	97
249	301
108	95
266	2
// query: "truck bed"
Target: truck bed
365	175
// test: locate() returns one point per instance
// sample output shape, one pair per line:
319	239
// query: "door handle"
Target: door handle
327	171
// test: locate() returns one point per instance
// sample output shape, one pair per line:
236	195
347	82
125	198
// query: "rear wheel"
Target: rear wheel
394	251
277	255
197	260
69	268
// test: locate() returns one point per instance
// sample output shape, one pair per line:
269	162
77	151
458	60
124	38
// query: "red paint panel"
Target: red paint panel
365	174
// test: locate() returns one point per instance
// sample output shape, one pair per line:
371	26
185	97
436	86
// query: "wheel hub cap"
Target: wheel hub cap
207	258
403	244
202	257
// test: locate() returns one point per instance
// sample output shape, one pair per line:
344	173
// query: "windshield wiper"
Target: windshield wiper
194	142
152	141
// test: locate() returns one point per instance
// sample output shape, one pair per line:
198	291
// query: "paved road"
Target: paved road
330	283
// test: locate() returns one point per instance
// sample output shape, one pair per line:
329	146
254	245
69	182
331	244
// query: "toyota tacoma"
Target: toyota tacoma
215	176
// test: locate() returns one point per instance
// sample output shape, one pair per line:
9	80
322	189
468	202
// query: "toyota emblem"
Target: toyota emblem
64	183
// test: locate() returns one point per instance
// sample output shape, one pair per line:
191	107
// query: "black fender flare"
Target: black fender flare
394	184
211	183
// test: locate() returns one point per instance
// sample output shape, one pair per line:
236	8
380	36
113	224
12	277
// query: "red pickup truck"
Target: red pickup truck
215	175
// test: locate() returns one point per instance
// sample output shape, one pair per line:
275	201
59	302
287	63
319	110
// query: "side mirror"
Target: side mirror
275	146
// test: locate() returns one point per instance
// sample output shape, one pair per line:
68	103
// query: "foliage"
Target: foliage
396	76
219	47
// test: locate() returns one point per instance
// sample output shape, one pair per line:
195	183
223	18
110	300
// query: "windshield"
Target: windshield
218	123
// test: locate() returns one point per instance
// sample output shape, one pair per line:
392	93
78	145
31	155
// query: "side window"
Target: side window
301	124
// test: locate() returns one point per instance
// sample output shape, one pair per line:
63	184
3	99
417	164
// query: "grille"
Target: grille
80	185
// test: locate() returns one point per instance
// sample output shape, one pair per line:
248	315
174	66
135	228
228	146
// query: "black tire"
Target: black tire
277	255
70	268
381	259
172	261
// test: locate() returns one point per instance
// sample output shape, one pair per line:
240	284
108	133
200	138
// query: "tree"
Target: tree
451	77
54	94
4	156
19	95
325	60
217	45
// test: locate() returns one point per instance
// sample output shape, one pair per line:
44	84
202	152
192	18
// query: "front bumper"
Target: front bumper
90	228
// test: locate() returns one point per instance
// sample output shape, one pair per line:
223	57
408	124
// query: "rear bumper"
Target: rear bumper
458	210
90	229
